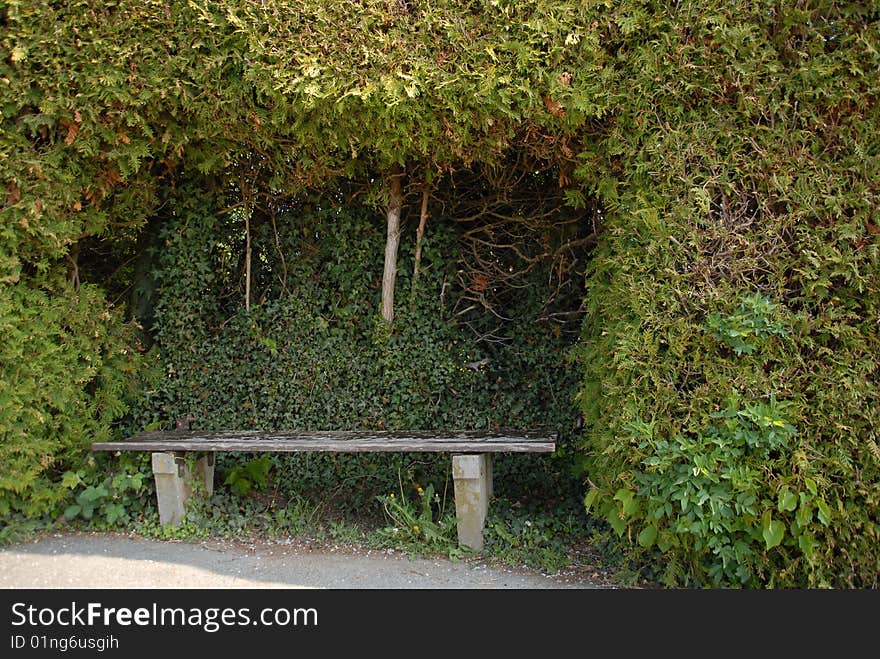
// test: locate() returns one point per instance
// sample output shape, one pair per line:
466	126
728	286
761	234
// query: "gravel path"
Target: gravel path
100	560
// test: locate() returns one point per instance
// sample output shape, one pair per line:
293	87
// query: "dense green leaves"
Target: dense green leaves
739	175
732	147
65	374
312	354
443	82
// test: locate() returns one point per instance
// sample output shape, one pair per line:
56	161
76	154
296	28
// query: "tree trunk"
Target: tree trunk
420	232
247	260
73	269
142	298
247	207
392	241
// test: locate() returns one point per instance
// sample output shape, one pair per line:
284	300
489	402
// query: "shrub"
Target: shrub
738	279
67	373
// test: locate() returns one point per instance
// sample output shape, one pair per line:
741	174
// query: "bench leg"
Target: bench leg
205	470
472	476
175	484
490	492
172	487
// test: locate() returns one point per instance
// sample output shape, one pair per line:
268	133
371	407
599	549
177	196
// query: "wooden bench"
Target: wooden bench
471	460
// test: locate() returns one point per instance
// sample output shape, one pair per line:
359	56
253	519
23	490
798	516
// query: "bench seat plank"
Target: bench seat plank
351	441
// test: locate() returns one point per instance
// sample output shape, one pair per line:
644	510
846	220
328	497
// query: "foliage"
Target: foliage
92	109
740	253
421	525
436	82
535	535
730	149
109	500
709	494
88	112
245	477
108	107
310	356
346	532
66	374
227	514
102	103
753	319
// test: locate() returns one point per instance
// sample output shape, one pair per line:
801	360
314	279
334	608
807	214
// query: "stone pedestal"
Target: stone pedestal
175	483
472	475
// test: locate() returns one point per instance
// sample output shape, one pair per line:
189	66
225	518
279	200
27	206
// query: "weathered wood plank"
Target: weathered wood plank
352	441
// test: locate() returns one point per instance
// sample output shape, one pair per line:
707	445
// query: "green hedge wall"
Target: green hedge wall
66	374
728	369
731	349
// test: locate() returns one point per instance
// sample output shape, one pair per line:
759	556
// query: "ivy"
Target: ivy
314	354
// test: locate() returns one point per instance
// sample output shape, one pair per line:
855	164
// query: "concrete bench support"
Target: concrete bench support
174	483
205	472
472	475
172	489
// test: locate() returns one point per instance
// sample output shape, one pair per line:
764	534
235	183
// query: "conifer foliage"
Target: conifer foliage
716	162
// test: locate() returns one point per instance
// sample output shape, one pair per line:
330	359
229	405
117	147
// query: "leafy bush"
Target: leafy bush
424	525
227	514
753	319
109	500
739	263
534	535
67	371
247	476
708	496
733	146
